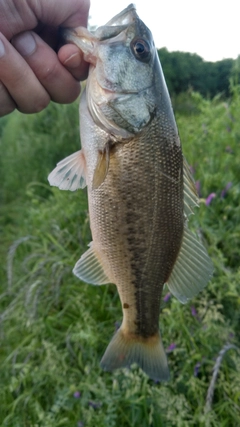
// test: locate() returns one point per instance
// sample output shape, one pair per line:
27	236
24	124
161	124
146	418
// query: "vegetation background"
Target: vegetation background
54	329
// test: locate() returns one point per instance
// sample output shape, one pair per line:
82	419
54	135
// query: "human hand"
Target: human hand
31	72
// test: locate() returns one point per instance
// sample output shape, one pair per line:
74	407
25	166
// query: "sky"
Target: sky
209	28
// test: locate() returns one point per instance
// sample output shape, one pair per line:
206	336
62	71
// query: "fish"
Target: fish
140	189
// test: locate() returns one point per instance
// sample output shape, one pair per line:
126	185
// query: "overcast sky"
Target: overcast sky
210	28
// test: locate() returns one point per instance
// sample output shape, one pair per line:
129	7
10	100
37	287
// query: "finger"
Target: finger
72	58
20	81
7	105
71	13
53	76
17	16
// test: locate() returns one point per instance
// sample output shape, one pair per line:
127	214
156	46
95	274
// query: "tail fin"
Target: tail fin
148	353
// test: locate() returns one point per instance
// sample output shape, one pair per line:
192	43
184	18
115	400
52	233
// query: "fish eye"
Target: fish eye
141	49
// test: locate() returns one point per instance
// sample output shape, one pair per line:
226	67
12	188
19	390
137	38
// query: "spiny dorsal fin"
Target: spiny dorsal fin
101	168
70	173
190	192
90	269
192	270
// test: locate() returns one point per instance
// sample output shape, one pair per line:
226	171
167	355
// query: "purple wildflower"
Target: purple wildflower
225	190
194	311
77	394
80	424
231	336
94	405
167	297
171	347
210	198
198	187
196	369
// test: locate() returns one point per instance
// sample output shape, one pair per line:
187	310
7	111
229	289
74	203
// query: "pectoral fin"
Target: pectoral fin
90	269
192	270
101	167
70	173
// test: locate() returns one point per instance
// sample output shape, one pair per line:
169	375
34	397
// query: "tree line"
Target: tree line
184	71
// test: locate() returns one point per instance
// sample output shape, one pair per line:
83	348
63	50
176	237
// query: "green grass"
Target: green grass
54	329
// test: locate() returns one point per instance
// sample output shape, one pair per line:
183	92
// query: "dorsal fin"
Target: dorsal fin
192	270
193	267
190	192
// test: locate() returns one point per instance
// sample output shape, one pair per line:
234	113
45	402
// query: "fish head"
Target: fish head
121	84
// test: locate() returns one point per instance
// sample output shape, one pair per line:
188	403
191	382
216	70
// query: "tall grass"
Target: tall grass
54	329
30	145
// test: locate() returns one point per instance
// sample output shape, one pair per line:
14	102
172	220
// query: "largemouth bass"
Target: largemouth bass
140	190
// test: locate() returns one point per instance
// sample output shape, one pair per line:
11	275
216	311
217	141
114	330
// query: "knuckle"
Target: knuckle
49	73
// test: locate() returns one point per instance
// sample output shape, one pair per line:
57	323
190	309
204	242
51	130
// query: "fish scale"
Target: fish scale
140	190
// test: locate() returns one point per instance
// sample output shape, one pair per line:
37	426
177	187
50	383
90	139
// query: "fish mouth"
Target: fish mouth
123	92
125	17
